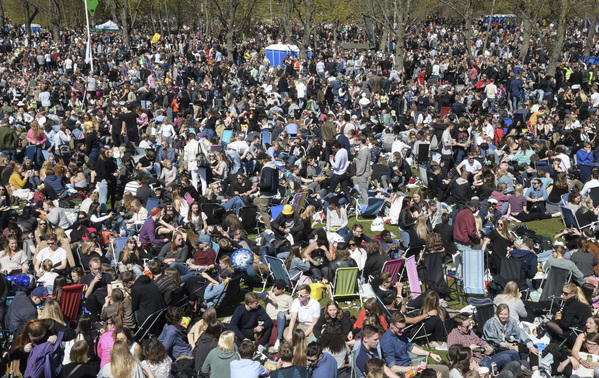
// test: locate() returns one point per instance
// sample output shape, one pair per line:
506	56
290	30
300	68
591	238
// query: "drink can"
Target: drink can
589	358
494	369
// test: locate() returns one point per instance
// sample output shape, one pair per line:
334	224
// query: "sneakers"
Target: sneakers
441	347
556	215
277	344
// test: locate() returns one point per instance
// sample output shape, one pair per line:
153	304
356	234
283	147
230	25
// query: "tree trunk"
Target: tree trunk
229	38
525	39
2	20
591	36
383	39
399	49
56	29
489	28
335	31
168	19
468	31
558	45
27	19
125	22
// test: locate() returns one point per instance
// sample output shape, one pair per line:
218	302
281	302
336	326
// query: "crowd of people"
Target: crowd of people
141	178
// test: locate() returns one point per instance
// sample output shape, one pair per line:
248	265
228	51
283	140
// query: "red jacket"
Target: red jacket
464	228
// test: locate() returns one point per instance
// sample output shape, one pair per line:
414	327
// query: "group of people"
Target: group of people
140	179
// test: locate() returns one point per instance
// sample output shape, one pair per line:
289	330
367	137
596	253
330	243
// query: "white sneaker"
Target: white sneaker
277	344
556	215
441	347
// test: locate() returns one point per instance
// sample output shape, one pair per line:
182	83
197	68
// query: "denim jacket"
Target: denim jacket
504	334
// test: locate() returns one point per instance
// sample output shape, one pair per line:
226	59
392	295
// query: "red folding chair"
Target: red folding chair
70	303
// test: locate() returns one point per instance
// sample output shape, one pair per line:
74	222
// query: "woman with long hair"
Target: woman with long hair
306	217
106	341
419	232
587	214
207	341
52	311
578	365
36	332
332	315
157	359
512	297
96	215
463	363
332	341
371	307
180	203
37	137
122	363
13	259
218	361
83	333
300	342
337	218
131	257
119	304
124	334
80	365
591	327
319	253
174	254
575	311
505	332
584	260
194	218
560	187
499	241
198	328
295	264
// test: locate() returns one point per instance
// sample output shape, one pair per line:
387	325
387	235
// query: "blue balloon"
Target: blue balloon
242	259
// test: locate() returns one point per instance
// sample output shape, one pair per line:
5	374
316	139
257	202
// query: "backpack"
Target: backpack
44	359
38	196
435	144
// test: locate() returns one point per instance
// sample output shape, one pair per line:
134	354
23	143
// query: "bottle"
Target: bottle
589	358
494	371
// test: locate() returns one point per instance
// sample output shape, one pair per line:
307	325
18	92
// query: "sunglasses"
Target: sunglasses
303	295
565	293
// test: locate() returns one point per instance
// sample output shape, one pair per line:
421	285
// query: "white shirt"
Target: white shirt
306	314
56	257
595	99
239	145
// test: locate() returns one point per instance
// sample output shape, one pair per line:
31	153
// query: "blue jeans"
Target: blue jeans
235	202
94	154
11	154
233	156
183	270
501	359
154	170
491	105
208	134
405	237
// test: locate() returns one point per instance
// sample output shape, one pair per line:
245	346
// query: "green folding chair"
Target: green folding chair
344	284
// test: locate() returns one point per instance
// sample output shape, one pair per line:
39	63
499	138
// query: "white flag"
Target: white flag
88	51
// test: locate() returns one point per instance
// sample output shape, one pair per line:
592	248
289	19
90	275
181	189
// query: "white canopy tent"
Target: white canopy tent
108	25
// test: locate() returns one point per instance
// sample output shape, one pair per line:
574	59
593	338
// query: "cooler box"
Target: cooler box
316	291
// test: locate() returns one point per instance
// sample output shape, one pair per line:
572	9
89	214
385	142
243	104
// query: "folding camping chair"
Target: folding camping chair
151	203
226	139
117	247
434	275
251	276
423	173
210	210
232	290
393	267
70	303
344	284
279	272
483	314
565	199
266	138
384	309
248	215
570	220
473	272
509	269
371	208
552	285
275	211
594	194
413	280
298	200
423	153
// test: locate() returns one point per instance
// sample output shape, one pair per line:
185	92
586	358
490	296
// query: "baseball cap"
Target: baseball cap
41	292
204	239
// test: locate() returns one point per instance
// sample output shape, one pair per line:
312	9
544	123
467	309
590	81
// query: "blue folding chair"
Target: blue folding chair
278	272
266	138
565	198
216	248
141	151
30	153
473	272
275	211
151	203
370	209
227	134
119	244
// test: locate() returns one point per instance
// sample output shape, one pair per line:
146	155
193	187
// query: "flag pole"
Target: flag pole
88	49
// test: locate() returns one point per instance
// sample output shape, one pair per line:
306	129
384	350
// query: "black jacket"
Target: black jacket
145	299
574	314
205	344
298	223
269	180
338	263
344	323
374	264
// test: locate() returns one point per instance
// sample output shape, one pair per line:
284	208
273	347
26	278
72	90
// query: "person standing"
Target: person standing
363	168
340	165
191	162
268	186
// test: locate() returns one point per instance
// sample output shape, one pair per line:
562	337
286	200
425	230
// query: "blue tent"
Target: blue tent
276	53
35	28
